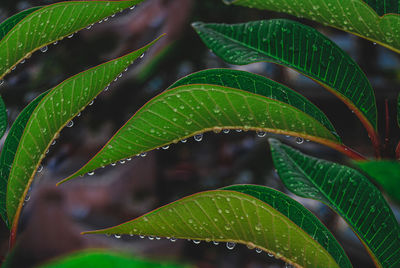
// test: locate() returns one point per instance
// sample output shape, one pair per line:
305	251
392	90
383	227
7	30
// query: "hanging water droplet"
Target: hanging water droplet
198	137
70	36
113	164
184	141
1	82
238	130
158	238
70	123
23	61
196	242
299	140
129	159
117	236
55	43
132	7
89	27
172	239
165	147
44	49
151	237
226	131
258	250
143	154
141	56
230	245
27	198
141	236
54	142
216	243
261	134
91	103
40	168
270	254
91	173
122	161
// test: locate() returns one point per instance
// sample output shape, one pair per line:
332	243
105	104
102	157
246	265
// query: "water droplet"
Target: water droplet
299	140
113	164
91	103
230	245
122	161
238	130
216	243
196	242
143	154
198	137
132	7
151	237
44	49
70	123
270	254
141	56
27	198
173	239
70	36
141	236
258	250
184	141
54	142
226	131
1	82
40	168
165	147
261	134
117	236
91	173
158	238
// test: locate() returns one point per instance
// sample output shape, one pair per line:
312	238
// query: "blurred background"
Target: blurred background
53	216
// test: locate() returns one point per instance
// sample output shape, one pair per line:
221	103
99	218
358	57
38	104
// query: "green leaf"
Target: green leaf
3	117
107	259
353	16
257	84
9	149
234	217
9	23
297	46
346	191
299	215
189	110
386	174
383	7
33	29
51	114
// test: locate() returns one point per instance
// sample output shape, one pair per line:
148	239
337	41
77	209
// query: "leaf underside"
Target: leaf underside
353	16
25	152
384	173
185	111
299	47
230	216
9	149
259	85
299	215
346	191
3	117
102	258
34	29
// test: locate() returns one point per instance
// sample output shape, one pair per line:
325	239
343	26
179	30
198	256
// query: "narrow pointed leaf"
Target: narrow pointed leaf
300	47
9	149
3	117
33	29
346	191
51	114
299	215
101	258
188	110
353	16
384	173
230	216
256	84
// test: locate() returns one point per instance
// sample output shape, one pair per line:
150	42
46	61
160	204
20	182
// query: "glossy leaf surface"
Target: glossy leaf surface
354	16
297	46
256	84
230	216
346	191
3	117
384	173
49	24
9	149
189	110
106	259
54	111
298	214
